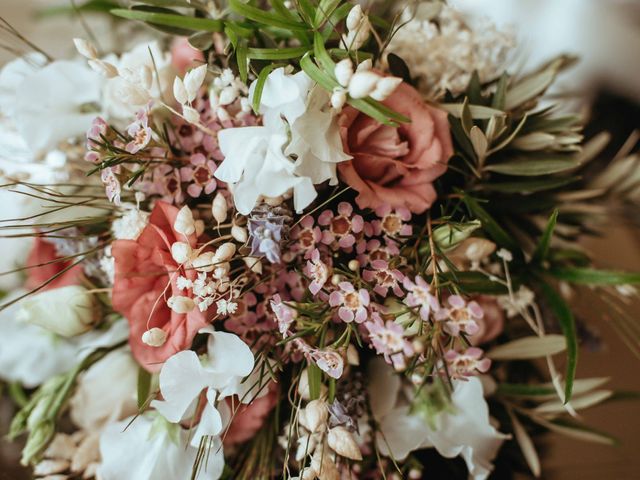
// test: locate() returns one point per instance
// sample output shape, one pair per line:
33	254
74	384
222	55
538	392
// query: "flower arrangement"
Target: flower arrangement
299	240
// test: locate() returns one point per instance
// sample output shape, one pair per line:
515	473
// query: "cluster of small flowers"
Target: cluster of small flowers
451	50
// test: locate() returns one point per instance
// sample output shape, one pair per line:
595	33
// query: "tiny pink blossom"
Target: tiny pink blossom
97	132
352	303
419	294
317	271
467	363
112	185
460	316
392	222
341	227
139	132
306	235
329	361
389	341
384	278
200	175
284	314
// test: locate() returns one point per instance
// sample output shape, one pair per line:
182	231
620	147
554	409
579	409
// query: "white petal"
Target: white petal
210	422
383	387
179	91
193	81
182	378
228	354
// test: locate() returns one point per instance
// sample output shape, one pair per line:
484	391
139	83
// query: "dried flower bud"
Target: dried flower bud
253	264
365	65
228	95
344	71
316	414
193	80
342	442
155	337
353	358
338	99
199	224
219	208
184	223
190	114
85	48
239	234
205	262
385	88
181	252
354	17
180	304
354	265
363	84
225	252
179	91
222	114
477	249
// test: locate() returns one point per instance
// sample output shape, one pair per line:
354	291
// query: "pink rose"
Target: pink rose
42	253
396	165
491	324
183	55
145	277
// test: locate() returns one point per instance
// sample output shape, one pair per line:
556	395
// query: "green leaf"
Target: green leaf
478	112
450	235
534	165
273	19
241	59
528	348
321	54
260	81
171	20
568	325
168	3
314	375
520	390
591	276
489	225
94	6
529	186
276	53
325	10
577	431
144	387
532	86
498	100
542	249
201	40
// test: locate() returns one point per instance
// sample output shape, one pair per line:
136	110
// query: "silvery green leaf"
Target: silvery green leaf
533	166
527	447
578	402
478	112
529	347
532	86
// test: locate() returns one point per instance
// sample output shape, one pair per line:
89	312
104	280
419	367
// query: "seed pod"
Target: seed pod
155	337
385	87
342	442
317	415
225	252
181	252
184	223
239	234
180	304
219	208
344	71
363	84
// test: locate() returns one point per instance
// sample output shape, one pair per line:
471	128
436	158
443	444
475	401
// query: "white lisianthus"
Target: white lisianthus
148	448
66	311
465	430
106	392
48	102
297	147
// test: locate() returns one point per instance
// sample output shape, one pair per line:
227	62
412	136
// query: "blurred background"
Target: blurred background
605	34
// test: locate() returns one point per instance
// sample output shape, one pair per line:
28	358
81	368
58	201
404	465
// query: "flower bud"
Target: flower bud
193	80
228	95
85	48
363	84
67	311
199	224
344	71
222	114
354	265
385	88
239	234
190	114
181	252
338	99
316	415
342	442
354	17
219	208
155	337
365	65
253	264
37	441
179	91
205	262
353	358
180	304
477	249
184	223
225	252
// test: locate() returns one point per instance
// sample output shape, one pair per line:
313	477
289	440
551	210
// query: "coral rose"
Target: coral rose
184	56
249	419
145	278
396	165
44	263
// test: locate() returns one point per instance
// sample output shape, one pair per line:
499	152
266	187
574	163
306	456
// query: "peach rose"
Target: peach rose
184	56
396	165
145	277
250	418
43	266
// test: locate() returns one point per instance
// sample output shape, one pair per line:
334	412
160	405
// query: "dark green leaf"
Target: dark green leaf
276	53
529	186
315	381
273	19
591	276
542	249
534	165
489	225
241	59
568	325
498	100
144	387
518	390
171	20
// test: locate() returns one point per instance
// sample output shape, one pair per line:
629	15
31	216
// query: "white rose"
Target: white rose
67	311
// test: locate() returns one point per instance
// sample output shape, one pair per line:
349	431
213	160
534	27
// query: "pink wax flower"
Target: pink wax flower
372	250
43	252
352	303
139	131
184	56
467	363
199	175
419	295
396	165
306	235
392	223
284	314
340	228
317	271
145	277
460	316
329	361
384	278
388	340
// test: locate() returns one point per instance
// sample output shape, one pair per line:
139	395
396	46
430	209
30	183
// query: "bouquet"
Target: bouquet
299	240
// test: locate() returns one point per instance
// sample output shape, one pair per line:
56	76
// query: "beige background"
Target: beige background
565	459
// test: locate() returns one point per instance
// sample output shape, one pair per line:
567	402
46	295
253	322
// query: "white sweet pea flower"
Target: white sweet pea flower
184	376
466	430
49	102
145	448
297	146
